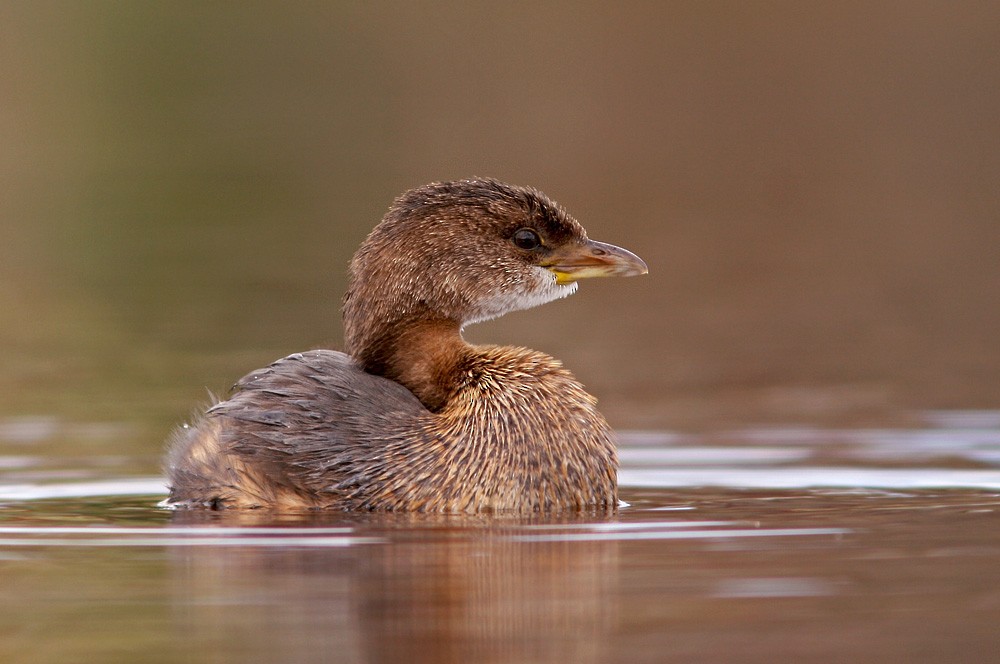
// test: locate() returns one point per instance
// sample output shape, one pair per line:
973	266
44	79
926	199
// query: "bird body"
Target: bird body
412	417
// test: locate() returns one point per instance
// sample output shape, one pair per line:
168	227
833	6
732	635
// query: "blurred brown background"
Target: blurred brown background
814	187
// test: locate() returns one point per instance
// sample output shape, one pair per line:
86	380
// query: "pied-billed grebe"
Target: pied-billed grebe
413	417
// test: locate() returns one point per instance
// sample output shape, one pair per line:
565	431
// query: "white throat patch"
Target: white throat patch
541	288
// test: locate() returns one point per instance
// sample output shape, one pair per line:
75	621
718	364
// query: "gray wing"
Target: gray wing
311	423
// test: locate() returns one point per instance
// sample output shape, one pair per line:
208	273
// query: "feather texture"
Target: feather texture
414	418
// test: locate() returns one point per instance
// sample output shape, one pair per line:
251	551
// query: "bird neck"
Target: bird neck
424	356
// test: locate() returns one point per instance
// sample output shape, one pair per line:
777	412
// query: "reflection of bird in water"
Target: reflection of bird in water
413	417
402	587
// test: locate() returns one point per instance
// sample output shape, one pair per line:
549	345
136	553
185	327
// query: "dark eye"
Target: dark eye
527	239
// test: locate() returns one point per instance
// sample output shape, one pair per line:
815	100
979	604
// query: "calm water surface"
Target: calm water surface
759	545
815	192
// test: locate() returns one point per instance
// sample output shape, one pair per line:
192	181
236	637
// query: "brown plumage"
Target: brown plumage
413	417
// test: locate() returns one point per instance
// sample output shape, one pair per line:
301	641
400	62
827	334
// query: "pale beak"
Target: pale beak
588	259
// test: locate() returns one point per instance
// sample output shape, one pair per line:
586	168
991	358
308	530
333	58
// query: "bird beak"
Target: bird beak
592	259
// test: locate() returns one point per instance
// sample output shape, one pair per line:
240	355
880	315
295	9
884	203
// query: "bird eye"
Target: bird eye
527	239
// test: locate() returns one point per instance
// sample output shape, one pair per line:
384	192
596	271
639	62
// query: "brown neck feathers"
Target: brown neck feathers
424	356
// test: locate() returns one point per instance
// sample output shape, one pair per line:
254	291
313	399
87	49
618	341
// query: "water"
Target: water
756	545
813	190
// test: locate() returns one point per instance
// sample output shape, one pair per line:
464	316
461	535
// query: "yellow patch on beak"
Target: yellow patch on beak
562	278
